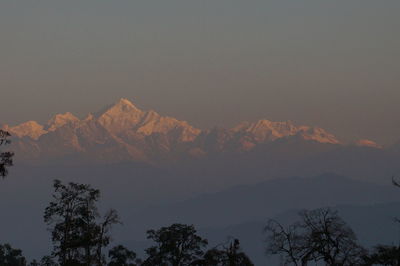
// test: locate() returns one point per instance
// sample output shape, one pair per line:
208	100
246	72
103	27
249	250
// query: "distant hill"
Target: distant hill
266	199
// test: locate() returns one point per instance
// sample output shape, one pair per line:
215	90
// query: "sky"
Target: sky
333	64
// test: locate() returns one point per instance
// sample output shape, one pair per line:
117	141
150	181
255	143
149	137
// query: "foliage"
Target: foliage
227	256
77	233
384	255
47	261
5	157
176	245
10	256
34	263
121	256
321	235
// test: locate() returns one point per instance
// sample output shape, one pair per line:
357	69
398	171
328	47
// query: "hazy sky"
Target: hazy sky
329	63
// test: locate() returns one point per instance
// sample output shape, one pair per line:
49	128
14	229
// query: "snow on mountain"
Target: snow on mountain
165	125
262	131
317	134
60	120
265	130
30	129
121	116
368	143
123	132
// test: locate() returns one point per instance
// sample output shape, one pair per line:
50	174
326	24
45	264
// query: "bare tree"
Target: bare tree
320	235
288	241
332	240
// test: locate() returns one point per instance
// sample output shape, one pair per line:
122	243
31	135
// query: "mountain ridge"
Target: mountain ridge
123	132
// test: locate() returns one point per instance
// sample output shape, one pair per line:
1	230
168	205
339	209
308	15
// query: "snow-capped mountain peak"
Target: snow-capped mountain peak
121	116
30	129
266	130
60	120
123	132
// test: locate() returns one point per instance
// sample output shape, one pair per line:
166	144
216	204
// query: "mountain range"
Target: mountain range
156	170
123	133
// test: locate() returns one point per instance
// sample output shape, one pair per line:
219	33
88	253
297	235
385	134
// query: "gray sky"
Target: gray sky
334	64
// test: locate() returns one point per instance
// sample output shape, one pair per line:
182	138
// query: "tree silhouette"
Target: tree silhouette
333	240
10	256
384	255
77	233
288	241
34	263
227	256
5	157
321	235
47	261
121	256
176	245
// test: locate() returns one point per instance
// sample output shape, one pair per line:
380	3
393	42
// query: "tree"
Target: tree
332	240
121	256
384	255
288	241
176	245
78	233
34	263
103	238
45	261
230	255
321	235
10	256
5	157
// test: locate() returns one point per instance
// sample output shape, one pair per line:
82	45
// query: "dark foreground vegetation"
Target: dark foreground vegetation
82	236
5	156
